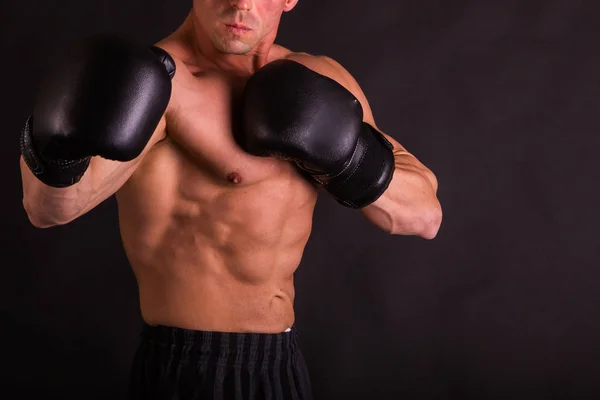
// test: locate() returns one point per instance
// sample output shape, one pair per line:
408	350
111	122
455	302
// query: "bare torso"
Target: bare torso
214	235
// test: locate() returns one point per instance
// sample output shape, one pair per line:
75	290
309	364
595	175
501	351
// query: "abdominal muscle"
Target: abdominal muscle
210	254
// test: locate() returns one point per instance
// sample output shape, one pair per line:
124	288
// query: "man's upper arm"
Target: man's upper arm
329	67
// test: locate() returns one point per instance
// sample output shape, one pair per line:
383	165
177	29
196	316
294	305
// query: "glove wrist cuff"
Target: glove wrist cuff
367	174
55	173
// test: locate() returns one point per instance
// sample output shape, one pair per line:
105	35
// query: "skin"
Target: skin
213	234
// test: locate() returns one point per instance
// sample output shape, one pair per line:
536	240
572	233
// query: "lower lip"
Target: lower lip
237	30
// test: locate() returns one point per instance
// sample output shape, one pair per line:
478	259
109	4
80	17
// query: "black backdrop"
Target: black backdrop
498	98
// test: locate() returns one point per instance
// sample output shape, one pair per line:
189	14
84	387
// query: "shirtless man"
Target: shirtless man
215	142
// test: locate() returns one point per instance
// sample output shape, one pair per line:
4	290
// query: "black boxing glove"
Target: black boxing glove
104	99
294	113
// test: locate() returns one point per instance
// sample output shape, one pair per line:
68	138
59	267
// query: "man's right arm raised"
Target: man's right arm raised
96	115
48	206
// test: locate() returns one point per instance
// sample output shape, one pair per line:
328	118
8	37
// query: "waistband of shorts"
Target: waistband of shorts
253	345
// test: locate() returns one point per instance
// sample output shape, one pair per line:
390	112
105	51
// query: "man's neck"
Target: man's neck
205	52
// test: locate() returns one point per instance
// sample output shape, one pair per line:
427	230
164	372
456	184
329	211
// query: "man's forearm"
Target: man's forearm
409	206
48	206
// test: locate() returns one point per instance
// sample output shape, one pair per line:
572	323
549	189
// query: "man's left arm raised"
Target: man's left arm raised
409	206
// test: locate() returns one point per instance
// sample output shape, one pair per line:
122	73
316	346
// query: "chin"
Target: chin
232	46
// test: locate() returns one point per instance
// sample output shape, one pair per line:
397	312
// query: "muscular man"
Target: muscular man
215	142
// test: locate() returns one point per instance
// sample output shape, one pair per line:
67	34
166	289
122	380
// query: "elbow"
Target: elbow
44	223
431	228
425	223
42	220
430	223
36	221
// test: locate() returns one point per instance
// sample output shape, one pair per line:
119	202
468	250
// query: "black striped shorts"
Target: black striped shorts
176	363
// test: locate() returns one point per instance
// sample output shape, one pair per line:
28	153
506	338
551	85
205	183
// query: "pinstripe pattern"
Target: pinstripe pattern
175	363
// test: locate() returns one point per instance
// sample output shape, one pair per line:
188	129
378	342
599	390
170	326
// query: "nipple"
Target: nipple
234	177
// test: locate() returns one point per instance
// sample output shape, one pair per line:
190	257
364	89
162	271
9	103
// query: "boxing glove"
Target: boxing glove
293	113
105	98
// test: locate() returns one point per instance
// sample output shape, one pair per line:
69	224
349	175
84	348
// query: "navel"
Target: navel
234	177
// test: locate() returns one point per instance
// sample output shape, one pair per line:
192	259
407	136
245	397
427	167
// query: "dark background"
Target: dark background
498	98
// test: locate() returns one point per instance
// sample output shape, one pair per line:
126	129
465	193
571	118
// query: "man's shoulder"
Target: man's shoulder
315	60
308	59
174	46
324	65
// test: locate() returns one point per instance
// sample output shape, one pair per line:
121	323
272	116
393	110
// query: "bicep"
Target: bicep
334	70
403	157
